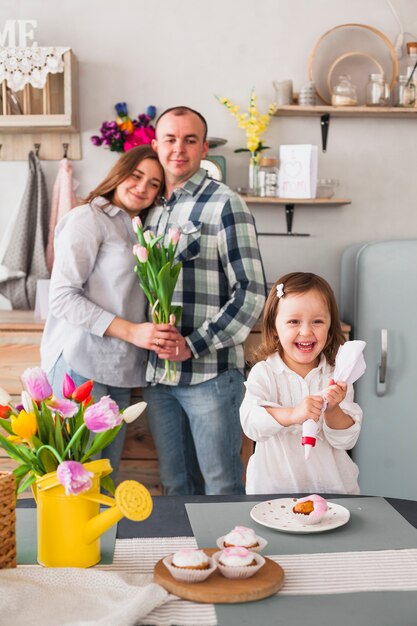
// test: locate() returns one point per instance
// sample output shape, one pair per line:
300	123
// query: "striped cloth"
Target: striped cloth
133	563
305	574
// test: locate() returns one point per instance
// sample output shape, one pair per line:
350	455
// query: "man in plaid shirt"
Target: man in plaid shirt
195	419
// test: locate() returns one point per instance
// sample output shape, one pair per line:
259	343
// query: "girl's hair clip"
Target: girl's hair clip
280	290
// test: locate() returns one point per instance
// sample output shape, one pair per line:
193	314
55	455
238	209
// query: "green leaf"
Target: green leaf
37	443
241	150
100	441
6	424
20	471
107	483
58	436
48	460
12	450
42	430
26	483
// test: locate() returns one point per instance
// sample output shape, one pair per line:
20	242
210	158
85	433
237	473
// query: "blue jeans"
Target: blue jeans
196	428
121	395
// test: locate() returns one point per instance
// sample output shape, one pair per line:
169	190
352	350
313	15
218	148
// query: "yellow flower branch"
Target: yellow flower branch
253	122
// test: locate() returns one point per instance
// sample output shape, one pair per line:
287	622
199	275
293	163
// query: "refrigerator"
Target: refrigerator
378	299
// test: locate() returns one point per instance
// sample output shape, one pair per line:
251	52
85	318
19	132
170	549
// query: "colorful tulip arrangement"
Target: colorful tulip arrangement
47	434
158	273
124	133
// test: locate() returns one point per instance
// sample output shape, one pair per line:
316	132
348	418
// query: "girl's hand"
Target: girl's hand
335	394
310	408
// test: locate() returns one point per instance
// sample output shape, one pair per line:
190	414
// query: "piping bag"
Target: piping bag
349	366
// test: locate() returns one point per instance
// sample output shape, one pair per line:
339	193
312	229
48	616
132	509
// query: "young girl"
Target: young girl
301	335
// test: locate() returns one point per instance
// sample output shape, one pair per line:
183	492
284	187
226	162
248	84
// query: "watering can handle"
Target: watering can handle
99	498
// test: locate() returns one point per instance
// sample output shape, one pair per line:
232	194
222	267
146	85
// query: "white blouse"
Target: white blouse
278	464
92	282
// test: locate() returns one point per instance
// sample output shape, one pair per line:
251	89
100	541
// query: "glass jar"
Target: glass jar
268	177
405	93
377	91
344	92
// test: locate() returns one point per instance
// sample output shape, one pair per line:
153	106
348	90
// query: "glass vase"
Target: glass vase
254	175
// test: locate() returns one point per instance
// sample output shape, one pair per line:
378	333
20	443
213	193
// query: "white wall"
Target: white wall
167	52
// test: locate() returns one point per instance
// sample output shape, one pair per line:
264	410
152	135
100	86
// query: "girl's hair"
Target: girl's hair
296	283
121	170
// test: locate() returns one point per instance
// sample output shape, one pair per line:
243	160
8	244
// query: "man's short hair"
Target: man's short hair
182	110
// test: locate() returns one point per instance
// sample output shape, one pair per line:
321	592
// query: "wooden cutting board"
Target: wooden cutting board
218	589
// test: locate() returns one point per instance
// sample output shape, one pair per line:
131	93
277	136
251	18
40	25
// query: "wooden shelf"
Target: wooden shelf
298	201
289	204
49	118
294	110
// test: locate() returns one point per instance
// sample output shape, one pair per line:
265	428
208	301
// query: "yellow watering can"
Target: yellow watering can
69	527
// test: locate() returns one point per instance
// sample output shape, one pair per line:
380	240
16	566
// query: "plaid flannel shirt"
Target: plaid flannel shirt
221	286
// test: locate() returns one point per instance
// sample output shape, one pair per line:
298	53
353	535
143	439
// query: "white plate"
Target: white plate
277	514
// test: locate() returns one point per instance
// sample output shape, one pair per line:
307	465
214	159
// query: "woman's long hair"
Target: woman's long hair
297	283
121	170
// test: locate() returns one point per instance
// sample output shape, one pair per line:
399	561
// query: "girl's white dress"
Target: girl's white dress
278	464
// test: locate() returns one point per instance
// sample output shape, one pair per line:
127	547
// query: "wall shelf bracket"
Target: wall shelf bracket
324	124
289	217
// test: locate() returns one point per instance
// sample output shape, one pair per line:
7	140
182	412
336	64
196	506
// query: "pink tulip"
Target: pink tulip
136	224
174	235
102	415
66	408
148	235
68	386
37	383
141	252
74	477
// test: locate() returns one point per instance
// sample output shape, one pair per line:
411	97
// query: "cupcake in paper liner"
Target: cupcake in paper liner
190	565
242	537
310	510
238	562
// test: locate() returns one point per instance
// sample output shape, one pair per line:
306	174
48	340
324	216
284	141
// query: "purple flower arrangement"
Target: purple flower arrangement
123	134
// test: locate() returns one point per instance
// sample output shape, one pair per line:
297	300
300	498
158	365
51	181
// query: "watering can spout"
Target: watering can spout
131	500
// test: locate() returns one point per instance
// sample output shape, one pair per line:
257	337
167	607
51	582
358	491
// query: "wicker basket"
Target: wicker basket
7	520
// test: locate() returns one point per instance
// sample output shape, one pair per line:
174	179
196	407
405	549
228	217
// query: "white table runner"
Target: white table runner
305	574
310	574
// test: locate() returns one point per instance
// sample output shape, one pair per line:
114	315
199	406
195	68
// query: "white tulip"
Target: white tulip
5	399
27	402
132	412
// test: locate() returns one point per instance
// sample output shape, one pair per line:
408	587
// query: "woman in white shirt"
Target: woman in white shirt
301	335
96	327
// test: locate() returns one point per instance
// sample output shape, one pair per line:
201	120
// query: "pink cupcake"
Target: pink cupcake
190	565
242	537
238	562
310	510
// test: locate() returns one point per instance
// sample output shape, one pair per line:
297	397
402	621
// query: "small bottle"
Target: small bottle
411	64
377	91
344	92
268	177
405	92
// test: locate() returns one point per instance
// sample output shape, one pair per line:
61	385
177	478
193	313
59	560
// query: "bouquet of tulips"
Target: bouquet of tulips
158	273
47	434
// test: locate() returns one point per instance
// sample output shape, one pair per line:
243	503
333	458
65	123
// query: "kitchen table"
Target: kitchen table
363	573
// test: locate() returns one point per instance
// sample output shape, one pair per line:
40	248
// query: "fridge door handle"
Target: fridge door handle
381	377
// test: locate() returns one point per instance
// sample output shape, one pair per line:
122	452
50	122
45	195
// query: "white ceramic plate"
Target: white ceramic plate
277	514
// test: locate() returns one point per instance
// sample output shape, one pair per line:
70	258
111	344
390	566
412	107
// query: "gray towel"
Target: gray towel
25	257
